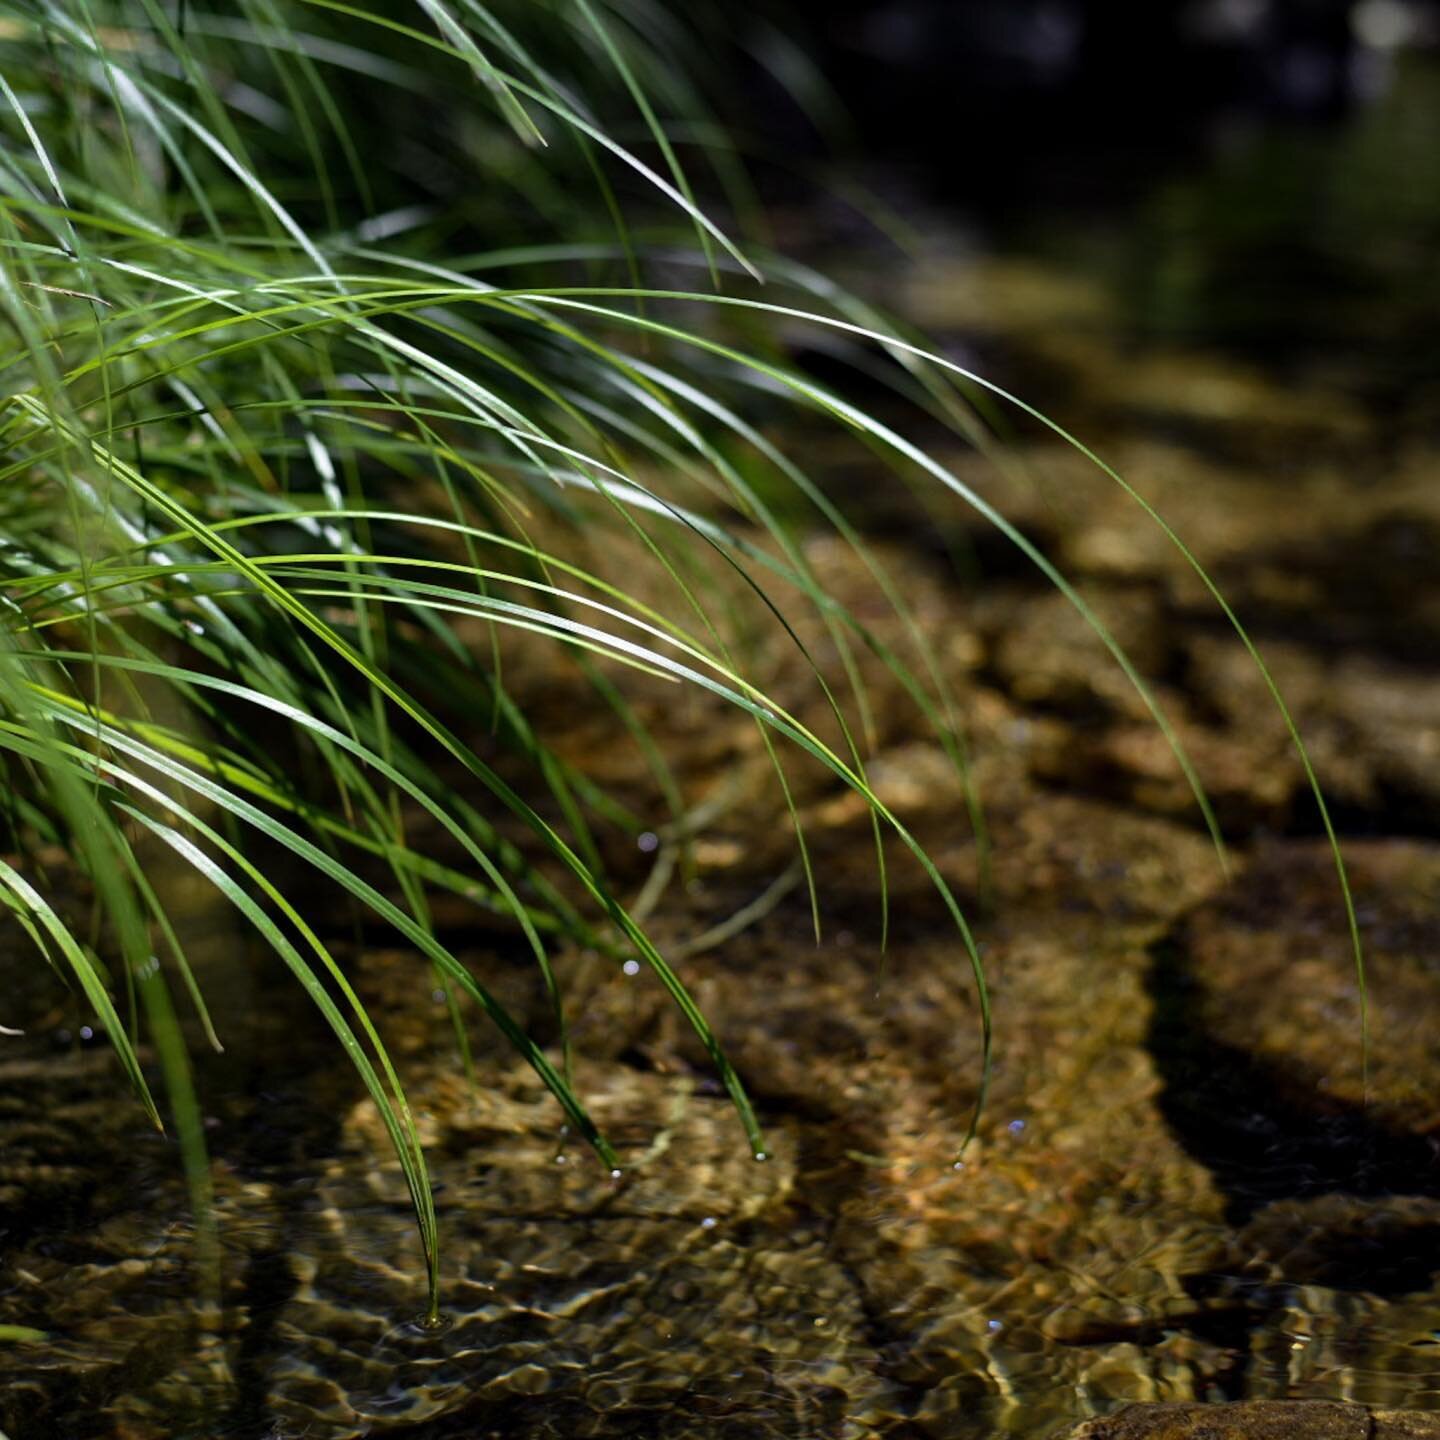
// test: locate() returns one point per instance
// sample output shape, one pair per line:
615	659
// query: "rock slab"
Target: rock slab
1259	1420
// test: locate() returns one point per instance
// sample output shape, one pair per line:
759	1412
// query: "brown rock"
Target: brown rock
1276	977
1404	1425
1252	1420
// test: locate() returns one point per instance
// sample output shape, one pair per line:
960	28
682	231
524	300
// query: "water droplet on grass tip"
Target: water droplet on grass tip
631	967
762	1155
615	1174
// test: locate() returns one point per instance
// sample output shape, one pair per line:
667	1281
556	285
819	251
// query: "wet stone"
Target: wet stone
1260	1420
1257	1420
1271	977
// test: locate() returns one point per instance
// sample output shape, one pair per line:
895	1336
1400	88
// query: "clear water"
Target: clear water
1183	1187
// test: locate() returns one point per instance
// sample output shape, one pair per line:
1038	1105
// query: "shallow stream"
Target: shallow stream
1185	1184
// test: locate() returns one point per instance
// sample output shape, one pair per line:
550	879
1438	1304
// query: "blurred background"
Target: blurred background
1257	174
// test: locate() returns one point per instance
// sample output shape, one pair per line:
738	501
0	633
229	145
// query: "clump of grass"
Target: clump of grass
302	395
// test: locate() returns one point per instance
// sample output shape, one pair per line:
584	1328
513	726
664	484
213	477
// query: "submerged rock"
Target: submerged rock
578	1302
1273	988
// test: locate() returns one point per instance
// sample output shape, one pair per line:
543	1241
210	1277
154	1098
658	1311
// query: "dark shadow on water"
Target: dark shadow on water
270	1281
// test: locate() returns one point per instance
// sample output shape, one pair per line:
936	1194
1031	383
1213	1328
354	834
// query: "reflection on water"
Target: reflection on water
1188	1183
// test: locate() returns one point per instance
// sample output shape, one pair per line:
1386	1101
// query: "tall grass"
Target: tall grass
330	346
